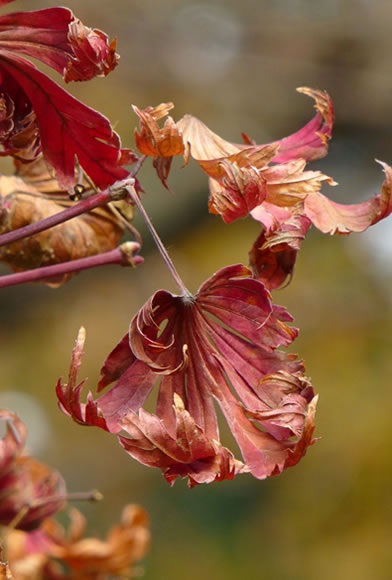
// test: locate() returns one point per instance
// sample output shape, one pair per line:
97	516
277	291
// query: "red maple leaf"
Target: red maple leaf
219	346
44	116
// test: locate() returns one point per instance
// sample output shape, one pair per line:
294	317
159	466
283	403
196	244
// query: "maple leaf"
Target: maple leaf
185	452
328	216
242	177
271	183
37	554
160	143
335	218
29	489
41	116
220	345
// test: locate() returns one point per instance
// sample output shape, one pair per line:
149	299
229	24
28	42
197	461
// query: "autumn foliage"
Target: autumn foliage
222	350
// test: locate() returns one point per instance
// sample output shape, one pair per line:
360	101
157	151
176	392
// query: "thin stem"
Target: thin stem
126	224
123	255
138	165
19	517
157	240
92	495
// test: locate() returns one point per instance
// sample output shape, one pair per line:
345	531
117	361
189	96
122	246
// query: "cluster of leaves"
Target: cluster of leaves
221	347
38	547
52	137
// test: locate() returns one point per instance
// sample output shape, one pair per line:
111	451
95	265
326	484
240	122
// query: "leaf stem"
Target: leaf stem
123	255
92	495
138	165
162	250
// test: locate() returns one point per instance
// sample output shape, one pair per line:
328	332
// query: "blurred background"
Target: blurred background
236	65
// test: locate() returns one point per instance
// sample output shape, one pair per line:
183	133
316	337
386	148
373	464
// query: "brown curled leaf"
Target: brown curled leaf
58	553
160	143
32	195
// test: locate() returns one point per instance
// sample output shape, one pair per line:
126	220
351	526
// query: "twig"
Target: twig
123	255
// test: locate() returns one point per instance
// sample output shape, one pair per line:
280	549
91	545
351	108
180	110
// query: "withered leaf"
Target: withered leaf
218	345
38	196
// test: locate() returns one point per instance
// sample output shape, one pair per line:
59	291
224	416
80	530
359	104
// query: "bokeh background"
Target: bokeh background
236	66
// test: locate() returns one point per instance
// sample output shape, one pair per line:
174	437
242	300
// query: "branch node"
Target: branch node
119	190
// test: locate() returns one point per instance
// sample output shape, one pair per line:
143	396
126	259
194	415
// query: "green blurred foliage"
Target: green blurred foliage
330	516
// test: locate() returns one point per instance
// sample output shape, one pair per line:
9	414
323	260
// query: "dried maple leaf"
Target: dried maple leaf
242	177
335	218
38	196
160	143
273	254
250	178
29	490
272	184
220	345
331	217
184	452
38	115
55	553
